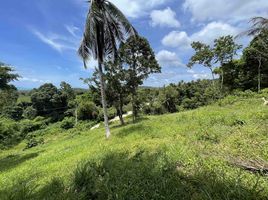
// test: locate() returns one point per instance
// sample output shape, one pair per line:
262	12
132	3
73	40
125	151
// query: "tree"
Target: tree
258	25
116	86
8	92
204	55
139	62
256	55
169	97
106	26
49	101
7	76
225	49
67	91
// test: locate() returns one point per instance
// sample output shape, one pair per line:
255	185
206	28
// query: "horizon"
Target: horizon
41	44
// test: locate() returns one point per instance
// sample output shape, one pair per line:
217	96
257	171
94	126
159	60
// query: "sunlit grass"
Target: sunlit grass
191	146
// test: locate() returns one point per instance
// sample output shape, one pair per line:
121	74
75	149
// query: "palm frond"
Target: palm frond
258	25
106	27
119	16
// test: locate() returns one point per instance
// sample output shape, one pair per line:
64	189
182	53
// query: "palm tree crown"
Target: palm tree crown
258	25
106	26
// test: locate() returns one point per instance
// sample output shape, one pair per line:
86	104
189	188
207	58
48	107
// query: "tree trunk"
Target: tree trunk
213	77
133	108
121	111
259	75
222	78
121	117
104	103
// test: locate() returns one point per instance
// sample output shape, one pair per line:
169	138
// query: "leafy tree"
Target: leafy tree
255	56
116	87
225	49
67	91
139	62
7	76
169	98
204	55
106	26
49	101
8	92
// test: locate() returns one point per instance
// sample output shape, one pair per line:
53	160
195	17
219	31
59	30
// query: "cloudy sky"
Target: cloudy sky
40	37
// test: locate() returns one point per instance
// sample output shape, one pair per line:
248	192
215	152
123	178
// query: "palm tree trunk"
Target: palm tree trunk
104	103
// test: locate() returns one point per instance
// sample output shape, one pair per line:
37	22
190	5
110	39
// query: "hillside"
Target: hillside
187	155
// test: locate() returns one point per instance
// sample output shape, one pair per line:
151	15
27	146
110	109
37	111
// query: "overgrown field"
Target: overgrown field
187	155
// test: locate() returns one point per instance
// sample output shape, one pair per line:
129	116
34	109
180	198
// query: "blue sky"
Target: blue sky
40	37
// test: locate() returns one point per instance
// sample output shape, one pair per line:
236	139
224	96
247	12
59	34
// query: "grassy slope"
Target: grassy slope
194	147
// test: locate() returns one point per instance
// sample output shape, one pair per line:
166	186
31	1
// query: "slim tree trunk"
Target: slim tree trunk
222	78
104	103
121	117
133	108
213	77
121	111
259	75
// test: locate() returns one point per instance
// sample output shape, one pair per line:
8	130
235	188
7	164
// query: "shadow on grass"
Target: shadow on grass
134	128
129	122
139	176
12	161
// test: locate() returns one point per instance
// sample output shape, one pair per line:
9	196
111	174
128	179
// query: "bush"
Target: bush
87	111
30	113
111	113
13	112
9	132
68	123
28	126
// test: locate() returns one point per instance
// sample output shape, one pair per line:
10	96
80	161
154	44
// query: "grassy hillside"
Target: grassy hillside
186	155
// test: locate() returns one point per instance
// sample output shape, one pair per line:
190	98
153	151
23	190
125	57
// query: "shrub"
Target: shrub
87	110
9	132
28	126
68	123
30	113
111	114
13	112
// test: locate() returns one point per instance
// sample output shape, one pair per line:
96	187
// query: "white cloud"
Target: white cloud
34	80
57	42
233	10
207	35
177	39
168	59
213	31
72	30
164	18
201	76
134	8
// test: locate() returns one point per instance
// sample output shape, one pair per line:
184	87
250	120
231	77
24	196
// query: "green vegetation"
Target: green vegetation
52	147
106	27
186	155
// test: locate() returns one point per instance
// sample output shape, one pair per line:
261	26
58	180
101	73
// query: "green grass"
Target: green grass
177	156
24	98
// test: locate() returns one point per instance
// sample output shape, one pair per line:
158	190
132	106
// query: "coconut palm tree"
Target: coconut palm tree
258	25
106	27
